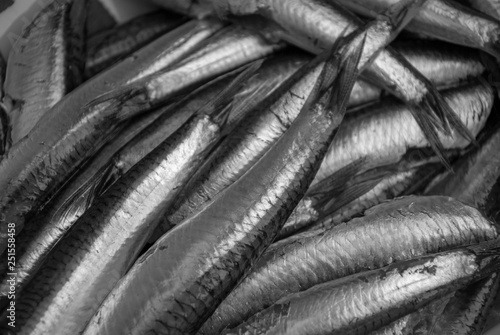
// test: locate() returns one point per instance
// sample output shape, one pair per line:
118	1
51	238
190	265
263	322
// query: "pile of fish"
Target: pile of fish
252	167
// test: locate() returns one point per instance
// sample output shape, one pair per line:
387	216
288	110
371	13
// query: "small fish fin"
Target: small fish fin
241	106
437	102
489	256
431	135
338	180
219	107
347	76
84	197
349	195
123	103
487	248
401	13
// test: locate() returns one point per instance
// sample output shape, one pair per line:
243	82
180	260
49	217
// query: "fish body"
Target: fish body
395	130
315	25
369	300
211	251
45	63
119	156
259	131
105	241
111	45
227	50
390	232
4	116
488	7
444	19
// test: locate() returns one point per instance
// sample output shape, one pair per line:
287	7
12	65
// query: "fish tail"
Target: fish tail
84	197
220	106
400	14
347	76
488	255
437	102
428	127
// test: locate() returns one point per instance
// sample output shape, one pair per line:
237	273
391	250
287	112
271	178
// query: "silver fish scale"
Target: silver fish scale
390	232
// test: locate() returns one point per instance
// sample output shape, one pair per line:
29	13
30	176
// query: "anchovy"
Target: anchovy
466	310
369	300
111	45
230	48
33	246
353	198
441	62
256	134
476	182
105	241
376	132
393	231
314	25
443	19
203	259
45	63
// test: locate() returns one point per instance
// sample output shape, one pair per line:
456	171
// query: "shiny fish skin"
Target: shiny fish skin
45	63
443	19
105	241
314	25
34	244
46	228
203	259
441	62
465	312
377	132
111	45
369	300
476	177
258	132
389	187
225	51
392	231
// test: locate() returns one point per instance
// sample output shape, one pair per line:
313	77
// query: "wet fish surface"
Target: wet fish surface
111	45
390	232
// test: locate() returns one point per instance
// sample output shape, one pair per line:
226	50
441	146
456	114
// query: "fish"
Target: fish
390	232
340	203
202	259
372	299
443	19
106	239
111	45
444	64
465	312
49	227
375	132
256	134
45	173
45	63
314	25
475	182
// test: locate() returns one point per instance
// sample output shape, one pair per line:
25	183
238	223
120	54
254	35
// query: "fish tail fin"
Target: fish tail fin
437	102
401	13
219	108
488	254
84	197
349	194
123	103
429	129
336	182
346	77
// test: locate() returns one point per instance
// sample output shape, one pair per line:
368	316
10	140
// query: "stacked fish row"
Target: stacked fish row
252	167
